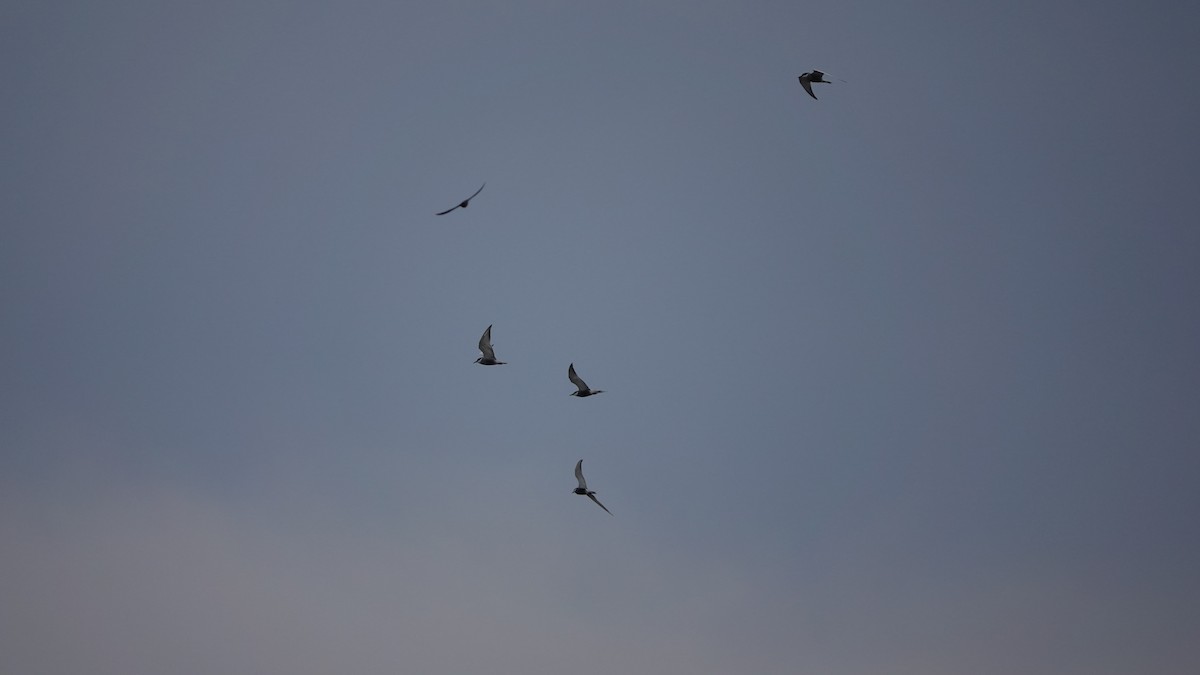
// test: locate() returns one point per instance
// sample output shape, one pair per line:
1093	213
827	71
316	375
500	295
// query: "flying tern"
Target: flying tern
485	346
582	489
807	79
583	388
464	203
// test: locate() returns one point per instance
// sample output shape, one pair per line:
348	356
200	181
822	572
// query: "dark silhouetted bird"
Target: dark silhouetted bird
485	346
583	388
807	79
582	489
464	203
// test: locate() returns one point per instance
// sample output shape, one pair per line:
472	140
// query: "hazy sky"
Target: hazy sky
903	380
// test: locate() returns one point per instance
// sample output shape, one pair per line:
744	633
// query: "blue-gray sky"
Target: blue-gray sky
903	380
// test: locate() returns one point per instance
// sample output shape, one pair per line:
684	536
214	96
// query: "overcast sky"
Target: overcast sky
901	380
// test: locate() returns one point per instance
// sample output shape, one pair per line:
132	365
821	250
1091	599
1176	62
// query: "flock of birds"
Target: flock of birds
488	354
488	358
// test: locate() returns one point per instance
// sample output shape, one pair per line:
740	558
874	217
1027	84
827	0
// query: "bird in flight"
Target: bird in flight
807	79
464	203
485	346
582	489
583	388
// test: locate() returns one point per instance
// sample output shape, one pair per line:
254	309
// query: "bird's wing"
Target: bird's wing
817	75
593	498
485	344
807	87
463	202
579	474
575	378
